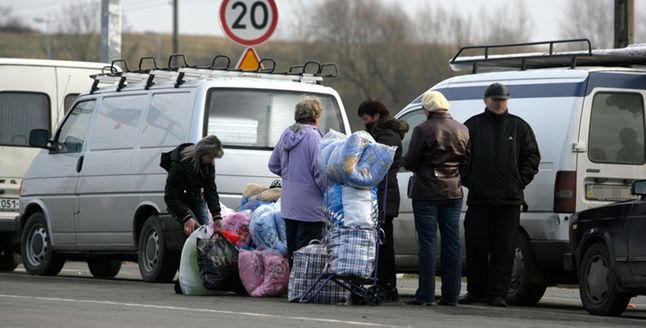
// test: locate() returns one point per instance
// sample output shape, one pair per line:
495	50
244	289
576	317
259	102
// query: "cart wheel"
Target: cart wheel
374	295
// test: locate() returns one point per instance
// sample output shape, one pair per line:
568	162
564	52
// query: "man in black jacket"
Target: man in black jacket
389	131
505	159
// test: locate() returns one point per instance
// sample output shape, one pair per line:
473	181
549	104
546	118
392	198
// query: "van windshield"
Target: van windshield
257	118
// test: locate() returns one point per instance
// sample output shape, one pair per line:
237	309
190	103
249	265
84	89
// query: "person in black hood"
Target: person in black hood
190	192
505	159
389	131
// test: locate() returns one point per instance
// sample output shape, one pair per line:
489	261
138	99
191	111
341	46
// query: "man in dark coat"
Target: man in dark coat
505	159
389	131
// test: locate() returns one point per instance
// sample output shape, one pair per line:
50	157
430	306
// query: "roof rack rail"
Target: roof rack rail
551	58
179	72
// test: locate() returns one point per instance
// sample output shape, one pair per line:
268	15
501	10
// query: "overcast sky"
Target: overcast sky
201	16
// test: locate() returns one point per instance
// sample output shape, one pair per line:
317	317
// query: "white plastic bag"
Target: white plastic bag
190	280
359	207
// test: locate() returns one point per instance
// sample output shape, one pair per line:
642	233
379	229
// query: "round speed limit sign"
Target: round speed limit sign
248	22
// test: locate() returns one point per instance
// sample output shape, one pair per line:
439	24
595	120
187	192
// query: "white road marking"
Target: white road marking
176	308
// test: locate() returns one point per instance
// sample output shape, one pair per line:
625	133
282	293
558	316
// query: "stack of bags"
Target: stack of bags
354	166
248	255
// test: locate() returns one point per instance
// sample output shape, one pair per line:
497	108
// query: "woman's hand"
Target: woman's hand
217	223
190	225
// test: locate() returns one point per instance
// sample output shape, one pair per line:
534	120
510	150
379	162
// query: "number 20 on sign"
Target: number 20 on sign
248	22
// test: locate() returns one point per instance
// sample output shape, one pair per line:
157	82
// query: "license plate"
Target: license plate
9	204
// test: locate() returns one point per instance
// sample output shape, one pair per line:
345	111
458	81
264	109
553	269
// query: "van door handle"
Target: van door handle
593	171
79	164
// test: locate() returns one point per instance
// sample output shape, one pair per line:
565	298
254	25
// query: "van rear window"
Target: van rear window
617	129
257	118
21	112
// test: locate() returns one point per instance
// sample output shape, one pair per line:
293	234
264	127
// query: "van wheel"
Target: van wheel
36	250
597	283
156	262
8	260
104	269
522	291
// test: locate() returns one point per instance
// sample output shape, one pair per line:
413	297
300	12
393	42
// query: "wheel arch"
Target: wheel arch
143	212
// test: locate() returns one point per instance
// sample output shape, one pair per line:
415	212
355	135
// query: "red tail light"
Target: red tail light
565	192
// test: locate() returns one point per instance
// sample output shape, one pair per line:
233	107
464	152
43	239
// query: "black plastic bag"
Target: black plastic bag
217	259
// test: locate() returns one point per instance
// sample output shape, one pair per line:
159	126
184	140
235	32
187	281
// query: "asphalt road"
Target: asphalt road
75	299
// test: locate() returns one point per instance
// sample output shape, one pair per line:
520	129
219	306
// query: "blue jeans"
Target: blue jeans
200	211
428	215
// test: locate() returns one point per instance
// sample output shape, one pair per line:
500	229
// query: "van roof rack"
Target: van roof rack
178	72
626	57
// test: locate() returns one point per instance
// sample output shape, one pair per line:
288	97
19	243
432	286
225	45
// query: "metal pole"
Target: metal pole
175	28
110	30
48	40
624	23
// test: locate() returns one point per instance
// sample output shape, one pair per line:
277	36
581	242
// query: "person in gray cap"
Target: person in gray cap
439	149
504	160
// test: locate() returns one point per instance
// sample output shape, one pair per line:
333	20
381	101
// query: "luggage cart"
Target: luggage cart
367	290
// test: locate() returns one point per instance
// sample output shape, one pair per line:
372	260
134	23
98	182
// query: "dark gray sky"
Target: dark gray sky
201	16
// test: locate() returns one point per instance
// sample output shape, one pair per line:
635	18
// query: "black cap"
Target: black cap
497	91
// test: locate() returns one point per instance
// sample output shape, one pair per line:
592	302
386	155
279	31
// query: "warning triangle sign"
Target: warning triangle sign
249	61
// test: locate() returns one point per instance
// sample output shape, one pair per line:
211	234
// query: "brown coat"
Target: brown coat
439	149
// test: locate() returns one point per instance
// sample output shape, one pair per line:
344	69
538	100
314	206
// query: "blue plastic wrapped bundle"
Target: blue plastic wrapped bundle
331	141
360	161
351	207
268	229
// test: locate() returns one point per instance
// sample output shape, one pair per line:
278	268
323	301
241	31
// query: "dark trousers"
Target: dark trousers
386	271
300	234
490	236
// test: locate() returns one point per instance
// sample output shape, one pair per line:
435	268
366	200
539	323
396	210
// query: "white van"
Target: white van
587	111
96	192
34	94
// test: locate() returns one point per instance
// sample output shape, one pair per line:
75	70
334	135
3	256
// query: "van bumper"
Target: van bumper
9	237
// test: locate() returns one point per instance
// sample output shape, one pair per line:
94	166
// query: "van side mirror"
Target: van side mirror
39	138
638	188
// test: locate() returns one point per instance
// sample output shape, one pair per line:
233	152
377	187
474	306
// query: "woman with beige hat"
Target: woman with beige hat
439	148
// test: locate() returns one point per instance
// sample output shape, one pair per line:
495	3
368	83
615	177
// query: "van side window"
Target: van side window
70	98
73	132
413	119
617	129
167	120
21	112
257	118
116	123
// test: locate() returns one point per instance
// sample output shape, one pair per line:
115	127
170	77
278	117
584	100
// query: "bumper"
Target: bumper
568	262
549	253
8	222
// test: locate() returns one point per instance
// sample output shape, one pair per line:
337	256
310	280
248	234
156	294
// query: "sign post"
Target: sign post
248	23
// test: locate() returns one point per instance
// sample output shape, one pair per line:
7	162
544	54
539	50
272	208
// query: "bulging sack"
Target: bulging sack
359	162
217	259
309	264
268	229
351	207
238	223
263	273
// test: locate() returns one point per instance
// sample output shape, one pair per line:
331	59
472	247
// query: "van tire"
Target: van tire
38	257
522	290
9	260
602	297
156	262
104	269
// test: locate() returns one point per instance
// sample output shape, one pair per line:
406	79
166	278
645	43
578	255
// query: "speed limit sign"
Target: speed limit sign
248	22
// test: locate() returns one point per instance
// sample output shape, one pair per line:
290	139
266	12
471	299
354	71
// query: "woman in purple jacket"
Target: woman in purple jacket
295	160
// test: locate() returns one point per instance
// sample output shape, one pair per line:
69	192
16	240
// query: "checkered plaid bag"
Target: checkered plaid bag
309	264
351	251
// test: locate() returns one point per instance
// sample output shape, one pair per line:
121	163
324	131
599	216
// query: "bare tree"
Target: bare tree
11	23
78	31
592	19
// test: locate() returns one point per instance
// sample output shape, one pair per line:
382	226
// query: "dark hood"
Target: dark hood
172	156
399	126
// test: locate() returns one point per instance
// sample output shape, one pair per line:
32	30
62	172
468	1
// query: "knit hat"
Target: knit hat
434	101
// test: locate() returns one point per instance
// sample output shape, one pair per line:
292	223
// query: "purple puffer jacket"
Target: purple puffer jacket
295	160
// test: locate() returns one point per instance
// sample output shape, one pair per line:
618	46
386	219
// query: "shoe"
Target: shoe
177	287
498	301
469	298
445	303
416	302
